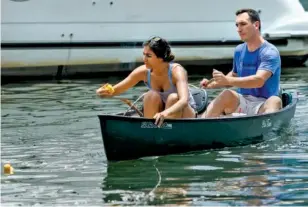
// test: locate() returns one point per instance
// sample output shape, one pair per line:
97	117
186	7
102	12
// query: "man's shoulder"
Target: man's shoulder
270	57
269	49
240	47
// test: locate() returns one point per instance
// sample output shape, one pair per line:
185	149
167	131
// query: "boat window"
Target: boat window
305	4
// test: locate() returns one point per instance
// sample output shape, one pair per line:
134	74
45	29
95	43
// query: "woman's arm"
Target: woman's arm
131	80
179	75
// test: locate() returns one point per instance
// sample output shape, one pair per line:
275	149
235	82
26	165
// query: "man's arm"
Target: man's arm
253	81
205	83
212	83
270	62
232	74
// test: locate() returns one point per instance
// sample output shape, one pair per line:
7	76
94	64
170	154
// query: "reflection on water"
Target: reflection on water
51	136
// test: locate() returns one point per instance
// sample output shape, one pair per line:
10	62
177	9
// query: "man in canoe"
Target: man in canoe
168	95
256	73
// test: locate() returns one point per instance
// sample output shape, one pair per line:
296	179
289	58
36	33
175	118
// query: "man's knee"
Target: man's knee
274	102
228	94
228	97
227	100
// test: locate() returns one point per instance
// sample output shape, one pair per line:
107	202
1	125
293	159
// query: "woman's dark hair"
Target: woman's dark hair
253	15
160	47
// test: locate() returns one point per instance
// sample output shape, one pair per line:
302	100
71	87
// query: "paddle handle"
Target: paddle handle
210	81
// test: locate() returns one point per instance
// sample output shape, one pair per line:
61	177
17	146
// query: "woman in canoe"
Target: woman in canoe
168	95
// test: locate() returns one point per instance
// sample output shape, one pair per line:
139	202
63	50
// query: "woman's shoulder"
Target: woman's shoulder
174	64
178	70
176	67
142	69
140	72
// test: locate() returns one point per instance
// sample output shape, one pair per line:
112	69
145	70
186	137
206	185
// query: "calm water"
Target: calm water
51	136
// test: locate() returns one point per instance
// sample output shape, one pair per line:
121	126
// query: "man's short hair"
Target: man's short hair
253	15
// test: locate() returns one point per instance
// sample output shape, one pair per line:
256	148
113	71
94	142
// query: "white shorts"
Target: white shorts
249	105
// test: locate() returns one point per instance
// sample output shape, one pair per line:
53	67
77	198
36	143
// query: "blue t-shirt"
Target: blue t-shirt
246	63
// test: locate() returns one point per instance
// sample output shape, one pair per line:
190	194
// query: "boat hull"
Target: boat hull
134	137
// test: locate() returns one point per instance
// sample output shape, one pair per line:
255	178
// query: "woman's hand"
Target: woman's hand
105	91
159	118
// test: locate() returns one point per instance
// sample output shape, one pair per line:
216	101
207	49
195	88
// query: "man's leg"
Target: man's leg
272	104
226	102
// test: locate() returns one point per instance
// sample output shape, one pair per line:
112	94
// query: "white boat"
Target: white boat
39	33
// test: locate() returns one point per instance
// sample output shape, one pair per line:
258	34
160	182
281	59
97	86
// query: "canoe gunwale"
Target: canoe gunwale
119	116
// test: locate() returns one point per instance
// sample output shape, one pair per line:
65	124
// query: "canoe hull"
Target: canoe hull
134	137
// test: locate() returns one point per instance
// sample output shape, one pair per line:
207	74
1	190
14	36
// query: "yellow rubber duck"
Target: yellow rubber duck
8	169
109	88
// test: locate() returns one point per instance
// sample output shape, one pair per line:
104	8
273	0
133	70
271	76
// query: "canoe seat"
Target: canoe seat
201	98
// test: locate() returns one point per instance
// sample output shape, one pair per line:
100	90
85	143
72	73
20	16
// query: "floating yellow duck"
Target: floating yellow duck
8	169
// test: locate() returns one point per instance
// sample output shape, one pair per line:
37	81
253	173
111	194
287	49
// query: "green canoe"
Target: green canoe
131	137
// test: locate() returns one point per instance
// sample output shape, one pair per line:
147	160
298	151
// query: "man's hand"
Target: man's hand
204	83
220	78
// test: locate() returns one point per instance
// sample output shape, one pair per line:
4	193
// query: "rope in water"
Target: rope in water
158	183
156	186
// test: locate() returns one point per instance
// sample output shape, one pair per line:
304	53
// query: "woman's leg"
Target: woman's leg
187	112
152	104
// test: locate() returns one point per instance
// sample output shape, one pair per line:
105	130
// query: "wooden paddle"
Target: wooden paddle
128	102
